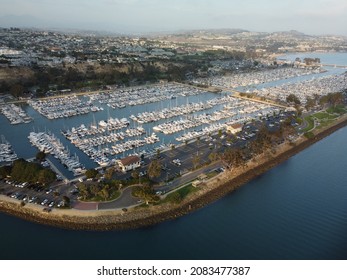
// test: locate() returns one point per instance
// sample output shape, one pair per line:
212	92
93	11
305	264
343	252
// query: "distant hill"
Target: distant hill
221	31
293	33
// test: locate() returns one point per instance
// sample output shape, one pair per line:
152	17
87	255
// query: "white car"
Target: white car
44	202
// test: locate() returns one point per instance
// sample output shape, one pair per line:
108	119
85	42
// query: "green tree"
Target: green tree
109	173
310	103
196	160
198	140
40	156
146	193
91	173
46	176
292	98
234	157
94	189
135	174
154	169
213	156
5	171
17	90
172	148
104	193
66	201
84	191
158	153
336	98
23	171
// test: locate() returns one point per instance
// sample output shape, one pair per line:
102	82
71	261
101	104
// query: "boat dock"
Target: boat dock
56	170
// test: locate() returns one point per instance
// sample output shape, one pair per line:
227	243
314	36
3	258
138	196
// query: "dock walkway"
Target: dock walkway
56	170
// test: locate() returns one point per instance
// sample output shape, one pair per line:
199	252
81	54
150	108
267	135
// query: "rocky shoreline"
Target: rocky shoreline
136	218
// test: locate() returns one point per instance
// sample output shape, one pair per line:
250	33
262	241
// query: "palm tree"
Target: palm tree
146	193
104	193
196	160
172	148
213	156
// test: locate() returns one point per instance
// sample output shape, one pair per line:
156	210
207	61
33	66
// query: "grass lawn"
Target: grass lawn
179	195
186	190
325	118
323	115
310	123
339	109
324	123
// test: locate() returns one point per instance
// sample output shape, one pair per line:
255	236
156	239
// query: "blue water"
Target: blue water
297	210
326	58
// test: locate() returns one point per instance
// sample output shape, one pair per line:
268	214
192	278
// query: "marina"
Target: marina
256	77
15	114
48	143
305	89
104	141
63	107
121	98
92	141
6	152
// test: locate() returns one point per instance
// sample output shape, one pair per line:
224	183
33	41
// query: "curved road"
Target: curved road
125	200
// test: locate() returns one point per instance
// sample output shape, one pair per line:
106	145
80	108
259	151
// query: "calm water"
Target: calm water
326	58
297	210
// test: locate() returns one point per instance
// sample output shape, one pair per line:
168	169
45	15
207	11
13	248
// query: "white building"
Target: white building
234	128
129	163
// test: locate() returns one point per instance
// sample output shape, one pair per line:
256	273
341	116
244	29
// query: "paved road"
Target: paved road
188	177
125	200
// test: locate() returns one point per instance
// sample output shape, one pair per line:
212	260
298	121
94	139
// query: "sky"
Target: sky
316	17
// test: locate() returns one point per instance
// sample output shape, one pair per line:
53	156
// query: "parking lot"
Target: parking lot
52	196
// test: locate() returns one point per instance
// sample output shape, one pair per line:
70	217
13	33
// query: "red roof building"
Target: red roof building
129	163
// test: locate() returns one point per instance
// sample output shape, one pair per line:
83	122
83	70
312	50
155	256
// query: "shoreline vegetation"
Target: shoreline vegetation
136	217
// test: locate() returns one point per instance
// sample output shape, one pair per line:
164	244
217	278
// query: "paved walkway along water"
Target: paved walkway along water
86	205
56	170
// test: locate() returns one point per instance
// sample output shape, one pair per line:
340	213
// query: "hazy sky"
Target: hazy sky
309	16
